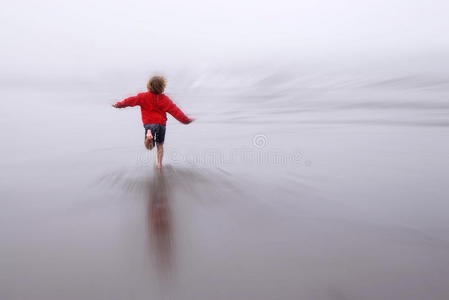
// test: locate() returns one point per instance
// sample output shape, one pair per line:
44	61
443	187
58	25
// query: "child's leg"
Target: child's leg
160	154
149	143
149	139
160	137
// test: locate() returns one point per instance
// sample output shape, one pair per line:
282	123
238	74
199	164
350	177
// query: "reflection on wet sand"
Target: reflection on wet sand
208	225
160	221
159	190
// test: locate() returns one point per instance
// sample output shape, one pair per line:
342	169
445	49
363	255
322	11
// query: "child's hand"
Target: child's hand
116	105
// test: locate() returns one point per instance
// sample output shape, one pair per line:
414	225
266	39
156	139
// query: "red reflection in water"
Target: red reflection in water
160	221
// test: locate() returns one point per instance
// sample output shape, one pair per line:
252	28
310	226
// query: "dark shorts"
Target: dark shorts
158	132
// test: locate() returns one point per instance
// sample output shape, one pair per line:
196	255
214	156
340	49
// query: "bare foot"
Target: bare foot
149	141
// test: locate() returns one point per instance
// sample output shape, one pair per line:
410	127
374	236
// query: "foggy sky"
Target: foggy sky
79	37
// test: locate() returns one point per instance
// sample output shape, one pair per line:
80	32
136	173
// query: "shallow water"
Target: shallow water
316	187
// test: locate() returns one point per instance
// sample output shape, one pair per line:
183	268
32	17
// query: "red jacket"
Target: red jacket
154	108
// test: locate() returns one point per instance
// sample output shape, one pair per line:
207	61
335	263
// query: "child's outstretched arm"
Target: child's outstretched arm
131	101
172	109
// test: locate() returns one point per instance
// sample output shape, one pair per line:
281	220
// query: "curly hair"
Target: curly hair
157	84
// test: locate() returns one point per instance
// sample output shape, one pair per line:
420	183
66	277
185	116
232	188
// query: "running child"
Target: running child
154	106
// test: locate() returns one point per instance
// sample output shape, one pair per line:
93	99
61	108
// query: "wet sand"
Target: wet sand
321	201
